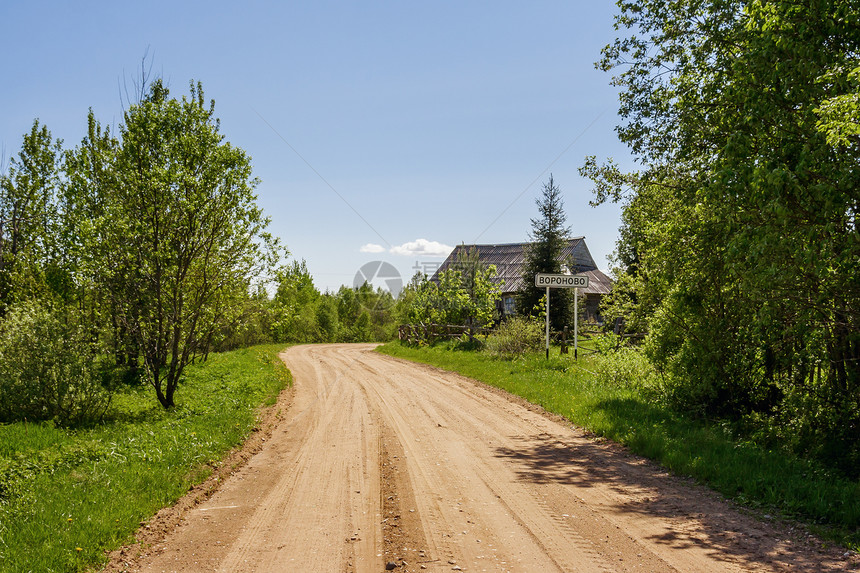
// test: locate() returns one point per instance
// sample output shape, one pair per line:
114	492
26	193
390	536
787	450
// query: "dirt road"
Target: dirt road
377	461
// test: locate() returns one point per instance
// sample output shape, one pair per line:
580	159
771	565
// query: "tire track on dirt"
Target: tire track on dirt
380	460
322	485
517	514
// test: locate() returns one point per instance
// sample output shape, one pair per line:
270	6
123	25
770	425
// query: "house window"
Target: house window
509	305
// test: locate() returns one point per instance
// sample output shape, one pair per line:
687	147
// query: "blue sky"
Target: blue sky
379	130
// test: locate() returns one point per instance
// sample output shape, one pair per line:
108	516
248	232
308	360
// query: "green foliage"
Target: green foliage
254	326
647	260
465	294
516	336
549	237
153	237
421	301
182	231
28	216
49	368
469	291
300	313
90	488
327	318
619	366
740	245
352	316
838	114
294	305
378	305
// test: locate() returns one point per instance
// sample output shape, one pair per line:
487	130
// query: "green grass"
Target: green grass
67	496
767	480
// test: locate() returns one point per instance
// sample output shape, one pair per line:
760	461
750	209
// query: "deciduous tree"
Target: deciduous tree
742	115
180	239
28	215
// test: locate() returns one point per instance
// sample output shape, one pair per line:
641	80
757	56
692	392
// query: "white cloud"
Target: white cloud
422	247
372	248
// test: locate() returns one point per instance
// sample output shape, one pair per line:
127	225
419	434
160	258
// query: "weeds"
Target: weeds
515	337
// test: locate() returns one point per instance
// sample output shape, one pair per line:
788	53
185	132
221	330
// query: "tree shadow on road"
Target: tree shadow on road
696	516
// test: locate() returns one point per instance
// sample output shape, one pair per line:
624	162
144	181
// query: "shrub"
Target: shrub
48	367
622	366
516	336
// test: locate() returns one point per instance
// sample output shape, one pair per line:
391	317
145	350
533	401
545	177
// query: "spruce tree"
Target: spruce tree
549	237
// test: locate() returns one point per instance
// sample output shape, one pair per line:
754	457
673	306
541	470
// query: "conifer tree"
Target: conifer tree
549	237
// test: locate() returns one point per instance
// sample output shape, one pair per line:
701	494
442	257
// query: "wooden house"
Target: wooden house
509	259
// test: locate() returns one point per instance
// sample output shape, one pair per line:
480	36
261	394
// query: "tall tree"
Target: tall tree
295	304
480	292
90	180
465	294
549	237
181	238
28	215
743	117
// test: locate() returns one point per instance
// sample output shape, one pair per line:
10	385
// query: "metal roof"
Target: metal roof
510	257
598	282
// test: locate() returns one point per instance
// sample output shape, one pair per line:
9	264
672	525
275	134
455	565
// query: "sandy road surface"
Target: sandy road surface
377	460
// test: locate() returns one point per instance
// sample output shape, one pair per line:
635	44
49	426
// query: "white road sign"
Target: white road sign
561	281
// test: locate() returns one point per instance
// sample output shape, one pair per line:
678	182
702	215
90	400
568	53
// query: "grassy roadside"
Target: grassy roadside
67	496
767	480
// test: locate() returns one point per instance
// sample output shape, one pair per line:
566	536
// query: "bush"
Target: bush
622	366
516	336
48	368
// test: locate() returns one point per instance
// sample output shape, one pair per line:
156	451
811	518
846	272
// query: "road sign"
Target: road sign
561	281
549	281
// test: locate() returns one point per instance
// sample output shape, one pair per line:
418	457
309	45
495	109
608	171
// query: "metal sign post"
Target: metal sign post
575	282
576	323
547	323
